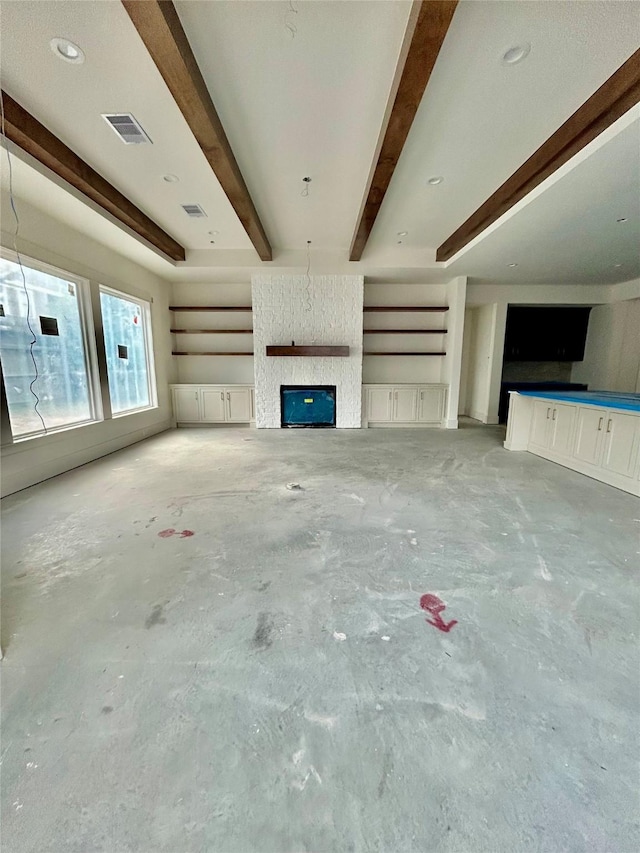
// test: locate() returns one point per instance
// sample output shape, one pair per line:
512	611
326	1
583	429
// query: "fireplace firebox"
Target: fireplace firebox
308	406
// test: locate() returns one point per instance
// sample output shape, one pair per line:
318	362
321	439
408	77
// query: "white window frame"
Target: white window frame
88	340
145	306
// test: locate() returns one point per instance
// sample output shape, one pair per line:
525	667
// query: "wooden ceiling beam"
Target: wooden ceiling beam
427	27
159	27
611	101
31	136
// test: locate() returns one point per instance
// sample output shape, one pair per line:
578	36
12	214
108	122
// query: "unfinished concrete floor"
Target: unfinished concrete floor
270	683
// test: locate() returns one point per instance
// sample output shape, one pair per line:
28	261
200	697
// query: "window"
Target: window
126	338
46	305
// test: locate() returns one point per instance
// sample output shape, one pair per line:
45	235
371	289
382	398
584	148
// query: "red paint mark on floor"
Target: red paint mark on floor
433	605
171	531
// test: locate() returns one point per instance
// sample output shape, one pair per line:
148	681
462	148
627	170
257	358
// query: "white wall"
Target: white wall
409	369
212	369
44	238
452	368
612	353
483	348
319	310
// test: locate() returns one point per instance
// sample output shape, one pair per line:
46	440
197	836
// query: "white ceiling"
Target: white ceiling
311	103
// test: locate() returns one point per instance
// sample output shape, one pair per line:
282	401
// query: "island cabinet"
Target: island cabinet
600	440
608	440
211	404
552	426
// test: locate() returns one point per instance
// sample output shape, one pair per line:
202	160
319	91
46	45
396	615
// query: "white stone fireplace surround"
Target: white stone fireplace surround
319	310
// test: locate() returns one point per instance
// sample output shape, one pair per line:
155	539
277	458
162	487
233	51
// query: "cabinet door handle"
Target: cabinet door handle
600	422
548	412
222	396
609	422
389	394
553	415
422	395
196	395
228	396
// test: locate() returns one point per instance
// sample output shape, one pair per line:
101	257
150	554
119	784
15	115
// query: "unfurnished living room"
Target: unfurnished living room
320	349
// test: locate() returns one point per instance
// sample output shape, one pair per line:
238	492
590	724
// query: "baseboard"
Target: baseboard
26	477
400	425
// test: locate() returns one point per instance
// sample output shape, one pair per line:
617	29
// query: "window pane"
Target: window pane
62	384
125	341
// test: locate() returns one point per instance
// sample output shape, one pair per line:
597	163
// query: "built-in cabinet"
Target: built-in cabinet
231	404
422	405
593	440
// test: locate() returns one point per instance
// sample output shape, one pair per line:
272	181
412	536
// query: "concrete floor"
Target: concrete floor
270	683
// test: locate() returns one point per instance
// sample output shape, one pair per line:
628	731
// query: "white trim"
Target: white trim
87	333
145	313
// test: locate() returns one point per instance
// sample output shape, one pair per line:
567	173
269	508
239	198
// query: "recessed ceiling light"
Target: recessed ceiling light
402	233
617	266
512	265
622	219
67	50
516	54
171	179
438	179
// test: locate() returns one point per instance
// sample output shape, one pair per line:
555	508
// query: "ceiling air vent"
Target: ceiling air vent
127	128
193	210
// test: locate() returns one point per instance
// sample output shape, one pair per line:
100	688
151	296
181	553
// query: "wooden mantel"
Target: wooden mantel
342	352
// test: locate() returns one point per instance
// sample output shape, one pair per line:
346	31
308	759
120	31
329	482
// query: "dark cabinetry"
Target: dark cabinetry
546	334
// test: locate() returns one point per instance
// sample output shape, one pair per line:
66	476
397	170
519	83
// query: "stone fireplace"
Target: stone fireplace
313	311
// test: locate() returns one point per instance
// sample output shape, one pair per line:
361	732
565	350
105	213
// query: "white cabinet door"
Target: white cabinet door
620	444
430	405
213	405
540	421
562	423
238	404
589	432
379	404
405	401
186	404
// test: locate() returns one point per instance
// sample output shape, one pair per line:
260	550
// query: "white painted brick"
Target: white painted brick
325	310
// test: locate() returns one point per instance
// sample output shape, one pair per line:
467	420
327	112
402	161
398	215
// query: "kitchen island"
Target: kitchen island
596	433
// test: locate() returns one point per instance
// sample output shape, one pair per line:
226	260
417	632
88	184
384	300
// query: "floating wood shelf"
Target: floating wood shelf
211	331
429	308
212	353
404	353
309	351
210	308
404	331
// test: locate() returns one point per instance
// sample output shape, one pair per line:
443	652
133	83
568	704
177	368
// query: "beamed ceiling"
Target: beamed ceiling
539	159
